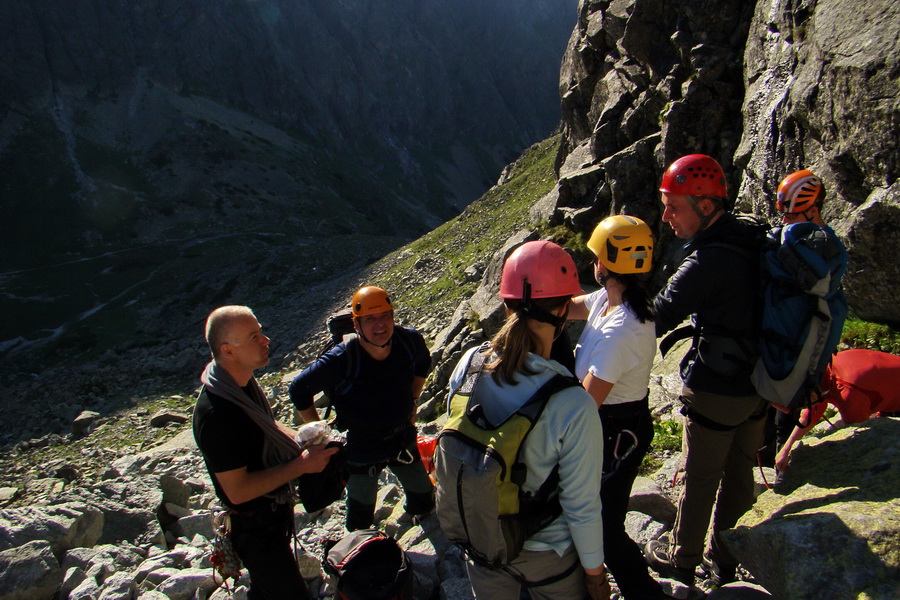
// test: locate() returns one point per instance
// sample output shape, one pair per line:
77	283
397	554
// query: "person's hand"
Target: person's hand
783	460
598	587
315	458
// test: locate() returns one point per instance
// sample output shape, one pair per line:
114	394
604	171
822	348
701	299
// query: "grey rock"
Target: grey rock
647	497
834	524
29	571
63	526
809	69
87	590
120	586
74	577
740	590
175	490
643	528
192	525
84	422
186	583
164	417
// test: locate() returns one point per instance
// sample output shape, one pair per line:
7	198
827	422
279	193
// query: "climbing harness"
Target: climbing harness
224	559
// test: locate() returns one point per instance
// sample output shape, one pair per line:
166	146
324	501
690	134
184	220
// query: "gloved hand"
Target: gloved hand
598	587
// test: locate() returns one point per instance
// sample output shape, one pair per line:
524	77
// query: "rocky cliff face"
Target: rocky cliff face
765	88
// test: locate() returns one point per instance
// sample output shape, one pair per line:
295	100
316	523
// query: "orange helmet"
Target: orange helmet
695	175
799	191
370	300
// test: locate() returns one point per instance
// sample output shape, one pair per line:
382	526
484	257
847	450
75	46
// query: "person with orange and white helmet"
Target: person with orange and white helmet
800	197
613	359
374	379
538	281
715	286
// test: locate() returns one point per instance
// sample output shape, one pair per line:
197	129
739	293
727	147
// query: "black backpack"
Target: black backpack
367	564
318	490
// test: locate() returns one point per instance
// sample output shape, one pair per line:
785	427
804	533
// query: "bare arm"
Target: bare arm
241	485
597	388
287	430
309	414
783	458
418	384
578	310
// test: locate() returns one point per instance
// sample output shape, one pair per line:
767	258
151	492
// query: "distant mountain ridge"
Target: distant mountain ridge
173	126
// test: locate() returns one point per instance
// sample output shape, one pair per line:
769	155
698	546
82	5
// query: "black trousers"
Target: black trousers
262	540
627	429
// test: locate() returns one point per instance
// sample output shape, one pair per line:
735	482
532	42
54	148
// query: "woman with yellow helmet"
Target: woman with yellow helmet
613	358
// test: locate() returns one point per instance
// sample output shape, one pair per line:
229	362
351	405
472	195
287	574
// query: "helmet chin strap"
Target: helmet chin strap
363	337
600	277
704	219
532	311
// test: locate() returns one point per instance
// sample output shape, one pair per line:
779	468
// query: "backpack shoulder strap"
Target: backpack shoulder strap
536	404
404	340
473	370
351	370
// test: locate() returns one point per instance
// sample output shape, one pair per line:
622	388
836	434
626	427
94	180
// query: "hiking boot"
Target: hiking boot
657	556
719	575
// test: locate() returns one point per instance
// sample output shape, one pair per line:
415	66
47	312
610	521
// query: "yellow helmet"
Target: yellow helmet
623	244
370	300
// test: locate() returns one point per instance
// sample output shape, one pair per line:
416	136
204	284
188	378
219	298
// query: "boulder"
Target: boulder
63	526
835	522
810	70
29	571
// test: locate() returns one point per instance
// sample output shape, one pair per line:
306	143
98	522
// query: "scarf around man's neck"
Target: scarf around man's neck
278	447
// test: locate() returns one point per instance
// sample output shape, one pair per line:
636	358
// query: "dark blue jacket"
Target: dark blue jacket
716	285
376	405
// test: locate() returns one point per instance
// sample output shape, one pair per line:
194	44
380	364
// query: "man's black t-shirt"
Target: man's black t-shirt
228	440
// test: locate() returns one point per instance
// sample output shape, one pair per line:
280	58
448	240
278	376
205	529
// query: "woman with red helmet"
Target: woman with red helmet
537	284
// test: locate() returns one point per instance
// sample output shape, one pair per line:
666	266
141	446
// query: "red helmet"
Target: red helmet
799	191
695	175
539	270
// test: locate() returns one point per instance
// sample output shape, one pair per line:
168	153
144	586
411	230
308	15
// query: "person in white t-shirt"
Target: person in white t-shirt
613	358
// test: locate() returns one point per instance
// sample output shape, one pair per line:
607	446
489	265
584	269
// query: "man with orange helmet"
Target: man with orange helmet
715	285
375	379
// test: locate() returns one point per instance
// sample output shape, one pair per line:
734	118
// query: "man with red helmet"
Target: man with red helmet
715	286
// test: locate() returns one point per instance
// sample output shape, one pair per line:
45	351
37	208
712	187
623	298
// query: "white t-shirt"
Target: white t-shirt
617	348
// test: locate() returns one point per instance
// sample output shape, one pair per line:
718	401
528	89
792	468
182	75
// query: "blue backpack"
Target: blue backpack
802	313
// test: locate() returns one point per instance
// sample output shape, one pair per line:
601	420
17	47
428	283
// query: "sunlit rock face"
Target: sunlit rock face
766	89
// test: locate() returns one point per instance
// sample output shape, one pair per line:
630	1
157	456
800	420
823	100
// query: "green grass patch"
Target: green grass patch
478	232
872	336
666	438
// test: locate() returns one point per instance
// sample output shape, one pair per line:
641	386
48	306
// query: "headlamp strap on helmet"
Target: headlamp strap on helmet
526	292
532	311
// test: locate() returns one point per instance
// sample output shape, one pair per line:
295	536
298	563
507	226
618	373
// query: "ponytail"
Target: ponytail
516	340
